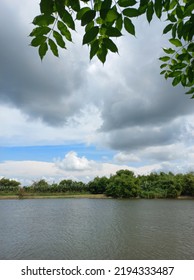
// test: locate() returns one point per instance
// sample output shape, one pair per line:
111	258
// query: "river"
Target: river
103	229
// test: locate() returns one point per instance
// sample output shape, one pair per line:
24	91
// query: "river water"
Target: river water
104	229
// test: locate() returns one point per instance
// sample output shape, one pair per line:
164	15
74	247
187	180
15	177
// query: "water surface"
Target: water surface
96	229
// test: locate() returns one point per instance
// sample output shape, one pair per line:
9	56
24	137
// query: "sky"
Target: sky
72	118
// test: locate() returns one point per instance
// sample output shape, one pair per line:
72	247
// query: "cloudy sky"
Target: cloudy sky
68	117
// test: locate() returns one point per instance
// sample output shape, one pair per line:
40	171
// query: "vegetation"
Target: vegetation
9	186
124	184
104	20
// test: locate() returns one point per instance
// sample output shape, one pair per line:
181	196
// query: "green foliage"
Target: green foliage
64	186
124	184
98	185
8	185
180	66
187	182
104	19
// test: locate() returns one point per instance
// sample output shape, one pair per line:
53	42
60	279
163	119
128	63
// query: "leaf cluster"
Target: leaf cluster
179	57
53	25
105	20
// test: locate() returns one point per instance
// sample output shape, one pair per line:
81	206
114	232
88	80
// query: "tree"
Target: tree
123	185
7	185
188	184
104	20
40	186
98	185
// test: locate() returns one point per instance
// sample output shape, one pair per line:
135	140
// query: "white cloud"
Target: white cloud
18	129
70	167
126	157
27	171
72	162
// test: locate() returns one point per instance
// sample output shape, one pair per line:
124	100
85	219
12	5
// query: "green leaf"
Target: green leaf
183	56
168	28
150	11
41	30
174	30
106	4
90	35
94	48
176	42
67	18
37	41
42	50
183	80
88	17
158	8
167	74
169	51
180	31
176	81
191	47
126	3
46	7
111	16
144	2
190	74
129	27
99	21
110	45
113	32
172	18
103	13
189	7
143	6
177	73
174	62
166	5
190	91
164	58
43	20
75	5
179	12
163	65
173	3
59	39
64	30
53	47
82	12
89	26
131	12
105	7
179	65
97	5
102	53
119	22
59	6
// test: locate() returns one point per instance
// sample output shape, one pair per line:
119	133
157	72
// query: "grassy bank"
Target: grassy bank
68	195
49	195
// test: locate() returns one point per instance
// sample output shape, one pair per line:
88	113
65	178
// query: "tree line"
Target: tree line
123	184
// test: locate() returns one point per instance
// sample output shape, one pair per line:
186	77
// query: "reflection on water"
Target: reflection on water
96	229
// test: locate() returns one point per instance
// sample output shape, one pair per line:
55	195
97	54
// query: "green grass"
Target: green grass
50	195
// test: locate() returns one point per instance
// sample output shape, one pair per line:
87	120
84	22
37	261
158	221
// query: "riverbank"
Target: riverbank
43	196
77	196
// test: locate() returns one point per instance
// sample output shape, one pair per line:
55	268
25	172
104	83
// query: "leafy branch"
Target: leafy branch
105	20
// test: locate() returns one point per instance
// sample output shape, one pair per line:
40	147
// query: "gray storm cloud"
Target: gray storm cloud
51	90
